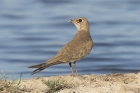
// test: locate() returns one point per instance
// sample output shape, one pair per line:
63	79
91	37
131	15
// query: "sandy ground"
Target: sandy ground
109	83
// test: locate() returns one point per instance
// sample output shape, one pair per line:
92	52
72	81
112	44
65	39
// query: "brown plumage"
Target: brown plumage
74	50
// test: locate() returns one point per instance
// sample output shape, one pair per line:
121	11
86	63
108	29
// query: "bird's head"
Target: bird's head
81	23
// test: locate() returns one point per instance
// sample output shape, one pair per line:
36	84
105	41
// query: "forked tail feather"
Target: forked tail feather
42	66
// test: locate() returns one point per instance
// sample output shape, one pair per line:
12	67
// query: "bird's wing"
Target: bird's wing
82	51
73	53
76	49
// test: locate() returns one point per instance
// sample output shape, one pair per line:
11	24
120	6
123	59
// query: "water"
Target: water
32	31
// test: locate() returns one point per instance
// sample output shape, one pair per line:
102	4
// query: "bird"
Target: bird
80	46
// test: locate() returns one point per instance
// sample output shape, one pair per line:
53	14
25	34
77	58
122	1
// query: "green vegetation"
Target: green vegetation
9	86
14	85
56	84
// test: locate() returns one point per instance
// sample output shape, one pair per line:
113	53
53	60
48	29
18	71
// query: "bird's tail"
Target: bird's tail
39	67
42	66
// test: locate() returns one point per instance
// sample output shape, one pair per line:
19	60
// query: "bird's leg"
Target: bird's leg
71	69
75	68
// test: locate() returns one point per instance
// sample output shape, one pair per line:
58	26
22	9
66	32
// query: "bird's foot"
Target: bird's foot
77	74
72	75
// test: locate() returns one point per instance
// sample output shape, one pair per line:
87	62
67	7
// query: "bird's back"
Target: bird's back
76	49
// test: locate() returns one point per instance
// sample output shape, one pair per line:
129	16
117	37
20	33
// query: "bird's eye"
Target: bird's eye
80	20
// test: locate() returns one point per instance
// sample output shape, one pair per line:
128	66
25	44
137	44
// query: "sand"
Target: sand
108	83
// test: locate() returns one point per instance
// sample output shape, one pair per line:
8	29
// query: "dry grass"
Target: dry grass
9	86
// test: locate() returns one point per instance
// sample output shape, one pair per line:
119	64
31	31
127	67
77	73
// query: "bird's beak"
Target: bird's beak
70	20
